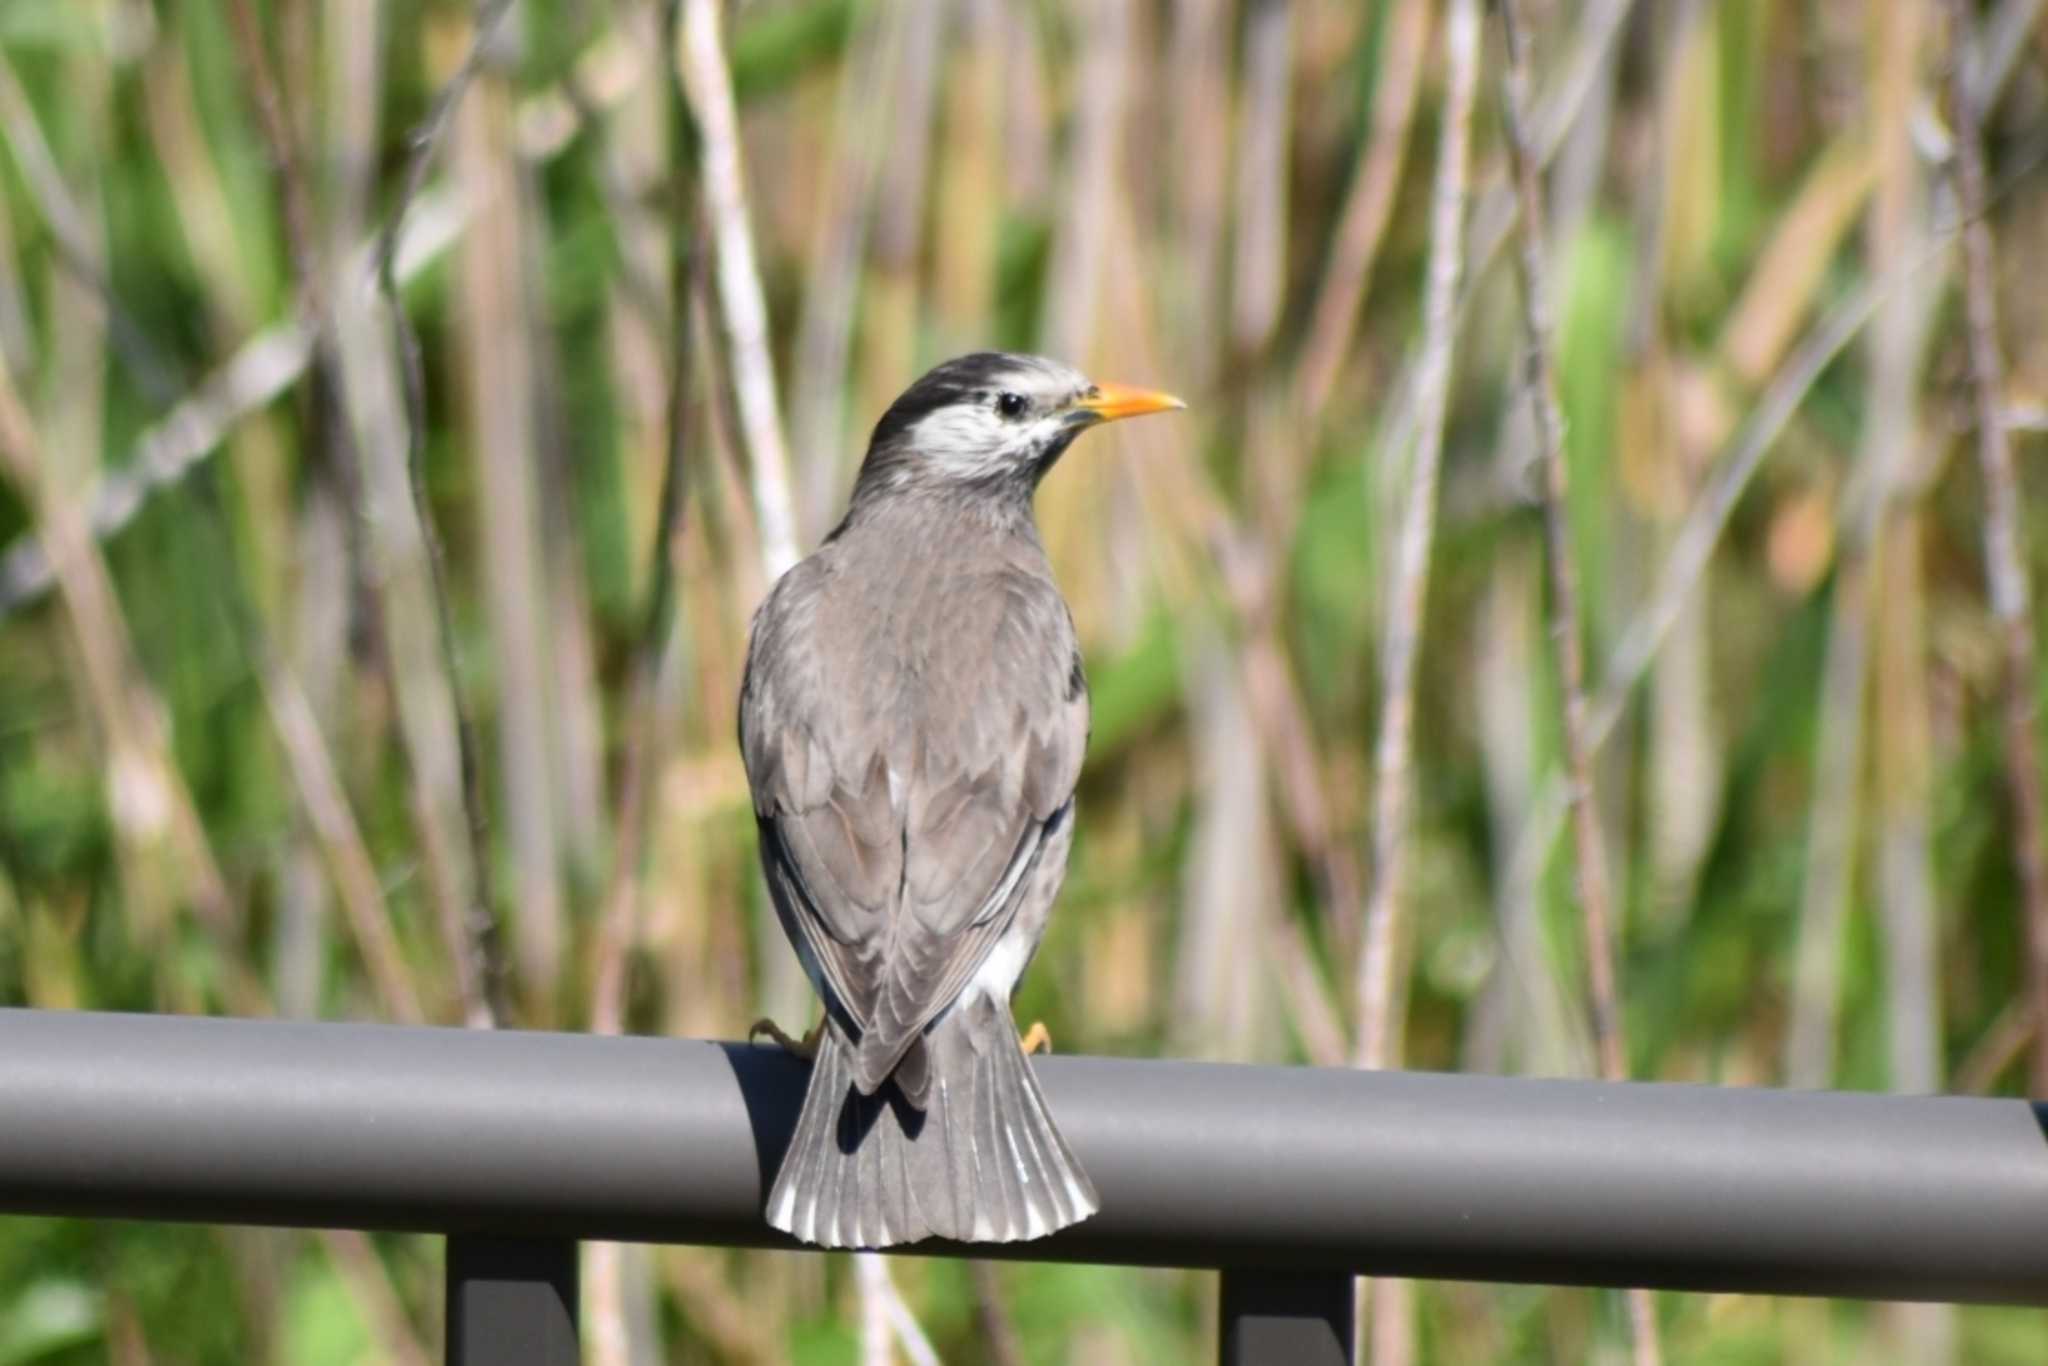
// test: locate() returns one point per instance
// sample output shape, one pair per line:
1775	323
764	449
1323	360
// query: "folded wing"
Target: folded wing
899	841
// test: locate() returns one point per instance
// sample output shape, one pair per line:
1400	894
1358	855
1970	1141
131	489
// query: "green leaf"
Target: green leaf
321	1325
49	1316
1131	691
49	24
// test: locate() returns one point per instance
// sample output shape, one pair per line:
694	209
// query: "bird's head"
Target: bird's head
991	423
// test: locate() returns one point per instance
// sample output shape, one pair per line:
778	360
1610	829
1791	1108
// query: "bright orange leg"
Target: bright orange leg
805	1048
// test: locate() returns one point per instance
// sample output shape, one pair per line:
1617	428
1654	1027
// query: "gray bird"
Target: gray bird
912	721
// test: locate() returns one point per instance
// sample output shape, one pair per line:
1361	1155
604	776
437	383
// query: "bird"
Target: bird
912	719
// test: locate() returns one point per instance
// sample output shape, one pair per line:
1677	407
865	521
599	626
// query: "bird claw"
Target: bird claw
805	1048
1037	1039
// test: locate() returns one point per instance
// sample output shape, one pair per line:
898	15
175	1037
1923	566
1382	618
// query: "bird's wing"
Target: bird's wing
831	834
834	870
1000	753
831	841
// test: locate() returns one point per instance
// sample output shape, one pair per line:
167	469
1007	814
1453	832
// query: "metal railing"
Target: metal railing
1289	1180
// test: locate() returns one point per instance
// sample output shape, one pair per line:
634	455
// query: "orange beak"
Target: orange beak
1108	402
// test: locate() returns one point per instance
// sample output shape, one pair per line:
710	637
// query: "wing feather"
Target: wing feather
900	818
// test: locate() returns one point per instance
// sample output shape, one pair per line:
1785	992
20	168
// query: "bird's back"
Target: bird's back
923	640
913	714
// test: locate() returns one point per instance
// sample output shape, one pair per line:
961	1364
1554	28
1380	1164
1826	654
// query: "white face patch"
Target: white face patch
974	439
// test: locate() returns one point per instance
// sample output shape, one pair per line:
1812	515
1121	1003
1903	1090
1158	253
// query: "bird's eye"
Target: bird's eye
1010	405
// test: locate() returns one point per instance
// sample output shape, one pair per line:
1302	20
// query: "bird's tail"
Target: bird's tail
981	1163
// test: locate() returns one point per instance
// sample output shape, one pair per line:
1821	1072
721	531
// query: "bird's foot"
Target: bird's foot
1037	1039
805	1048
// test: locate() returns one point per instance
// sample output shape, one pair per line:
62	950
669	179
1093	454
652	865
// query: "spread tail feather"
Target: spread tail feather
981	1163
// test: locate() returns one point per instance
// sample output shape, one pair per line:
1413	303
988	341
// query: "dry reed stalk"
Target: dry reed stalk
275	358
1402	639
1788	273
369	1285
605	1272
1903	872
1027	122
280	141
1675	208
69	225
147	797
1678	577
1219	1009
1990	60
84	323
645	722
877	1341
1192	519
500	376
336	462
747	383
351	36
2000	1046
1259	272
968	200
992	1320
644	741
1390	1321
484	972
1824	890
292	716
1901	713
1073	277
1903	868
1377	1043
891	332
340	838
885	1319
575	735
259	453
1493	218
1533	1029
1368	206
315	609
1541	377
192	174
164	453
1287	735
15	331
271	360
1281	714
864	104
743	310
1551	121
1198	54
261	370
77	231
1868	588
736	1329
2005	539
79	316
131	718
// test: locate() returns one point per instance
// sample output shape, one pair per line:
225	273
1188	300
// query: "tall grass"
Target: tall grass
381	514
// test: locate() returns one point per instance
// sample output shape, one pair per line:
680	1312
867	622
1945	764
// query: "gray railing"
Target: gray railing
1288	1180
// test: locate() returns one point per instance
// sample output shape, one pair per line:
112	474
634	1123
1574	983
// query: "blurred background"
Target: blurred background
362	664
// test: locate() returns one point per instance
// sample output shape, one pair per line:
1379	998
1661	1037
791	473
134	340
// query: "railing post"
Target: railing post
1286	1318
511	1302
